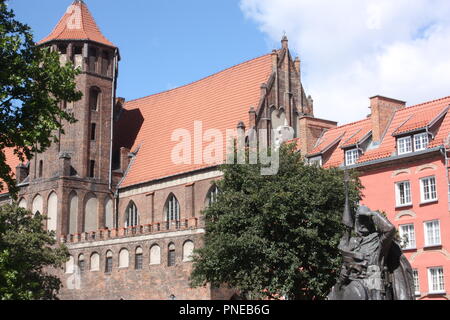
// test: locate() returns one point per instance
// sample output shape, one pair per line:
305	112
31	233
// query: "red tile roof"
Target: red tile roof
409	119
405	120
13	162
77	24
220	101
342	136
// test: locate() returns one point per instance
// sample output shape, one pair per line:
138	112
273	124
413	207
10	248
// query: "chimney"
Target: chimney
124	159
64	164
310	130
383	110
21	172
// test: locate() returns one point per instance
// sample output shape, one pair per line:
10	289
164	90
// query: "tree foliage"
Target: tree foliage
33	84
26	250
274	236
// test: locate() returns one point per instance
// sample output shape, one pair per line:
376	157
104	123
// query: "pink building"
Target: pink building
402	156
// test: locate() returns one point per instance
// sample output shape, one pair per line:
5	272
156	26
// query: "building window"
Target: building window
212	195
432	233
132	215
351	157
428	189
188	250
124	258
171	255
94	99
41	168
93	128
408	236
315	161
92	169
106	63
404	145
92	60
155	255
436	280
172	209
138	258
95	262
416	282
403	193
421	141
109	262
81	263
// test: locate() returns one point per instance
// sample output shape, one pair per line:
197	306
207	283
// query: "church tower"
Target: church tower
71	181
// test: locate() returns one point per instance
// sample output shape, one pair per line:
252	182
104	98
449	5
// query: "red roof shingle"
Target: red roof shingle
77	24
219	101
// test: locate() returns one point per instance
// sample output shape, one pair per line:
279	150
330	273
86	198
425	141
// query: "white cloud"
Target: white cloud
354	49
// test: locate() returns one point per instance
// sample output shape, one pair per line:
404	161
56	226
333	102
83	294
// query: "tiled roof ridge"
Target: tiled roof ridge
425	103
199	80
348	124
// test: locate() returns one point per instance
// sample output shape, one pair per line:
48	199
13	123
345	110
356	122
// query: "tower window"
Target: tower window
92	169
41	168
106	63
92	59
94	99
109	262
62	49
93	127
138	259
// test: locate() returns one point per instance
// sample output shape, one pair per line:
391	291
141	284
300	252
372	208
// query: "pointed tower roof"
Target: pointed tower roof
77	24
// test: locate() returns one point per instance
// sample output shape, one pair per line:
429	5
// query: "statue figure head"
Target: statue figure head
363	222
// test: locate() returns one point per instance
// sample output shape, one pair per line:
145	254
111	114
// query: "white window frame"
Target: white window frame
440	285
403	143
315	161
410	233
351	157
407	197
431	193
421	141
436	236
416	282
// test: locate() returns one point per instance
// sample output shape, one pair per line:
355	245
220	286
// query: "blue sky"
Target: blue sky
163	44
350	49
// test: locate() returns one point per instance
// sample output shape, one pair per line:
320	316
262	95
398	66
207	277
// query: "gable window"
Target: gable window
408	236
132	215
428	189
403	193
404	145
436	280
351	156
420	141
432	233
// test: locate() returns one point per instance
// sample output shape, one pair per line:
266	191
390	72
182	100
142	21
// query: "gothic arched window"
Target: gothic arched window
212	195
94	99
172	209
132	216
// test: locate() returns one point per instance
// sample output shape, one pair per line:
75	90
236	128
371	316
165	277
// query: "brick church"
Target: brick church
130	216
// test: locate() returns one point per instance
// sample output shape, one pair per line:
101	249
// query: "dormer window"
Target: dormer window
351	157
417	142
404	145
421	141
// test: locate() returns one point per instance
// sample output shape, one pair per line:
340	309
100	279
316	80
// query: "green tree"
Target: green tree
33	86
273	236
26	250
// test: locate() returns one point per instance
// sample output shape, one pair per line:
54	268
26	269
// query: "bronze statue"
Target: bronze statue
374	266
